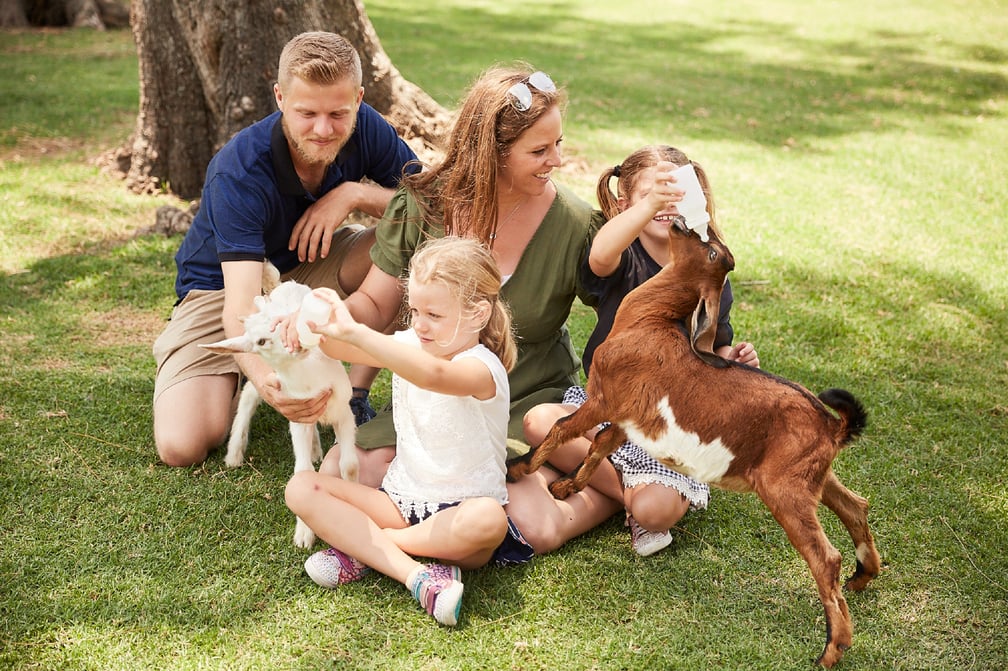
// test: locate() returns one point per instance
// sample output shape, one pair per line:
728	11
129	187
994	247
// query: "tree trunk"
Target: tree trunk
207	69
13	14
97	14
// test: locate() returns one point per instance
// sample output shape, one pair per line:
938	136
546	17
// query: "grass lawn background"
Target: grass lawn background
857	156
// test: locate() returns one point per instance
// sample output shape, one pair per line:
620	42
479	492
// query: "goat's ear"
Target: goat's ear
230	346
703	328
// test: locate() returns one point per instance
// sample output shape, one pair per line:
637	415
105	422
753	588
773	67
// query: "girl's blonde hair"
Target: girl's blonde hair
469	271
628	172
460	192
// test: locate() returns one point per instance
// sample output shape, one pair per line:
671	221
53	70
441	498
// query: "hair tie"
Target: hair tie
616	170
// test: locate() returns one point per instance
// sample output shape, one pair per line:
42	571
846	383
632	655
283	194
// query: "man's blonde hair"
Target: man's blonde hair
319	57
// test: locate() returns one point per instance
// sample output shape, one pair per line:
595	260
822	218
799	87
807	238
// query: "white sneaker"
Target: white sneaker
332	568
646	543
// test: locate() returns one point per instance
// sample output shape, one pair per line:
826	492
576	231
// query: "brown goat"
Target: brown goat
658	382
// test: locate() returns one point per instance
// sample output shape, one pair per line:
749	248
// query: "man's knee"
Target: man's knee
193	417
186	443
175	452
356	263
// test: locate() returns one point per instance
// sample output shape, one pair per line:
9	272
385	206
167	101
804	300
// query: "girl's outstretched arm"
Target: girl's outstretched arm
619	232
348	340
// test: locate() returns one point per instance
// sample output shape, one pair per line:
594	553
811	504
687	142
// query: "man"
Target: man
280	189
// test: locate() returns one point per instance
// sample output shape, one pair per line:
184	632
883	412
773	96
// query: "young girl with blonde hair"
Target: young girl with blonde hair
444	492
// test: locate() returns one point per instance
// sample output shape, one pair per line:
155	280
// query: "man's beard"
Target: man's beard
308	152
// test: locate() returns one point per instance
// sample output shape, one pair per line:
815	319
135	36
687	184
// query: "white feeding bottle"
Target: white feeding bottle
313	309
693	206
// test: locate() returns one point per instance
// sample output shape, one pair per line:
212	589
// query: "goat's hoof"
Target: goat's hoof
519	467
517	471
304	537
831	655
562	488
860	578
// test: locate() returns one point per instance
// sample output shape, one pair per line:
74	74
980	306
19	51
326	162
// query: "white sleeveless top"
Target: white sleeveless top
448	448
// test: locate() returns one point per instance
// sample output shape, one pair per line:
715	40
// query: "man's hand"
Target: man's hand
302	411
312	234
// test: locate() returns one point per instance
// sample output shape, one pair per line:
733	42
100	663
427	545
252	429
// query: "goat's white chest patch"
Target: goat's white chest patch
706	462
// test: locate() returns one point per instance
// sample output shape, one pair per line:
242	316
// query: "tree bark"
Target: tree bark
13	14
207	69
97	14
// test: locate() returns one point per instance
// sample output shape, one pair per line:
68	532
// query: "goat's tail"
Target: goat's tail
850	410
270	276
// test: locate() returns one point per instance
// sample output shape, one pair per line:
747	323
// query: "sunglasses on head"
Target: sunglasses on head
521	95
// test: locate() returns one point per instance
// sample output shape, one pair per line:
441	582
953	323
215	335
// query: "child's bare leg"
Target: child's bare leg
568	456
546	522
373	464
656	507
350	516
465	535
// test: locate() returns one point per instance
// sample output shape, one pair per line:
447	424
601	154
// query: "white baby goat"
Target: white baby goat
304	374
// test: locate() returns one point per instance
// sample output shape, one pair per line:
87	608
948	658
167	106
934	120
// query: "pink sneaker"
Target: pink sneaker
332	568
646	543
438	588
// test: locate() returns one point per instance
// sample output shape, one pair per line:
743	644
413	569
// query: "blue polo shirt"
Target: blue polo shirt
252	197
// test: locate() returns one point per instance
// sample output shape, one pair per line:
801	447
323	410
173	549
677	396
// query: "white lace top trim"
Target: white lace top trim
448	448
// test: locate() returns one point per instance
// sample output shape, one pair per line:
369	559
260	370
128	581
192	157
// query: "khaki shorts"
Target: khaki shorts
197	319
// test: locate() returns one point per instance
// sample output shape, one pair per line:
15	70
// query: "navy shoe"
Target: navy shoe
361	406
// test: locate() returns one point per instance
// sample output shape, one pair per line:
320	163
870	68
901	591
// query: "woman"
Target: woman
494	185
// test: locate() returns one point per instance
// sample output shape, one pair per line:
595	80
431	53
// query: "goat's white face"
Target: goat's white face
263	340
259	337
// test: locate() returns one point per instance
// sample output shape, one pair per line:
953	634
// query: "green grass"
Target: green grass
858	157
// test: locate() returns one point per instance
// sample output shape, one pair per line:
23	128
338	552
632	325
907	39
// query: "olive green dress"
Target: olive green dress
540	293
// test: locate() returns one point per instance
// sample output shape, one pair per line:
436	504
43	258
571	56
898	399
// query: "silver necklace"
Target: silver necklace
493	233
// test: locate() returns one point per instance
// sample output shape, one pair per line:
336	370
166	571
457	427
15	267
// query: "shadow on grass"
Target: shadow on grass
100	537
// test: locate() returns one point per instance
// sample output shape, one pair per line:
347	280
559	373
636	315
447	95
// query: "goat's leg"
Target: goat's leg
302	437
531	461
316	451
346	435
794	507
605	443
563	430
238	440
853	512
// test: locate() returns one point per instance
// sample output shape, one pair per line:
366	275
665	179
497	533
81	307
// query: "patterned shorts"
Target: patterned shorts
637	467
514	549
